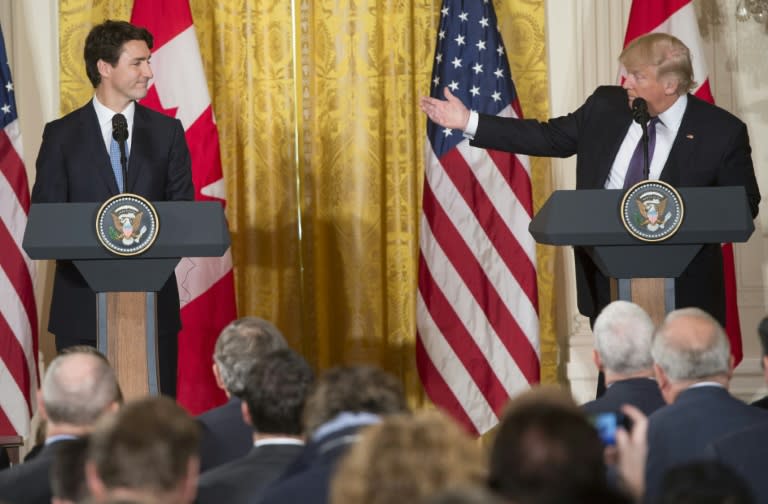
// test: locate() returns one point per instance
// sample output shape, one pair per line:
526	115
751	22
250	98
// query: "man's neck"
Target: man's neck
62	429
113	103
611	377
679	387
259	436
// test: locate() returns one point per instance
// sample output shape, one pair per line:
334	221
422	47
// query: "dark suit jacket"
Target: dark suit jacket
745	452
711	149
243	480
308	478
29	482
642	393
761	403
225	436
73	166
680	432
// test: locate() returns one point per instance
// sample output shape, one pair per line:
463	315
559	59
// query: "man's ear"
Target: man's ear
217	375
41	405
246	413
597	360
96	487
104	68
189	484
670	85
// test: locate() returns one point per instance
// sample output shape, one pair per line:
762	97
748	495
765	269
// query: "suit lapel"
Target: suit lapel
98	151
683	146
139	143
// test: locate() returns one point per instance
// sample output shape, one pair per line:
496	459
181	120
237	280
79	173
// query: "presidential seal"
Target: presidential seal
127	224
652	210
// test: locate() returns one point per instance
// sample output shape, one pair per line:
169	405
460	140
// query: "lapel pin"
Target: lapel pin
689	136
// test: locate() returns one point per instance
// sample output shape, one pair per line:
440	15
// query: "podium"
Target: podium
126	287
642	272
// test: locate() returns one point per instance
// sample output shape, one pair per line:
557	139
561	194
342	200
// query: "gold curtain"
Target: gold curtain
322	148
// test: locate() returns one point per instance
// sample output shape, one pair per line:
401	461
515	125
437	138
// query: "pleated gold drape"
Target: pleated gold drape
322	148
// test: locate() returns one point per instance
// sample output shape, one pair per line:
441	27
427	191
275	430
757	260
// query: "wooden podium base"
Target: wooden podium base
655	295
127	335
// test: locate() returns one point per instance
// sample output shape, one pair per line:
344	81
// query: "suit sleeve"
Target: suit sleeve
179	181
51	184
737	168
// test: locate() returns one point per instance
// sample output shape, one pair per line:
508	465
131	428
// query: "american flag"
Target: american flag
678	18
18	314
206	284
477	305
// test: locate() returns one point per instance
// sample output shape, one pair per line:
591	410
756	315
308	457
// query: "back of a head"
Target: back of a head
276	390
546	450
353	389
706	482
240	346
667	53
78	388
148	445
67	473
623	338
691	345
406	458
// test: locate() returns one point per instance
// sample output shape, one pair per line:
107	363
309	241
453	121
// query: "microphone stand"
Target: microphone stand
124	162
646	158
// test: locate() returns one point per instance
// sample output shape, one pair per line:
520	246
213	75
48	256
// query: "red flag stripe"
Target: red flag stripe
646	15
516	176
506	245
16	270
13	169
165	20
14	358
438	390
486	295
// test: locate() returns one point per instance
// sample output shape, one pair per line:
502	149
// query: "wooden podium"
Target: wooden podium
642	272
126	287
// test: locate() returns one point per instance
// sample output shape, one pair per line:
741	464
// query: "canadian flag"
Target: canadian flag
206	285
678	18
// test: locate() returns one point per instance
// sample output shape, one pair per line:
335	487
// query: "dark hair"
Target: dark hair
355	389
275	392
706	482
68	470
105	42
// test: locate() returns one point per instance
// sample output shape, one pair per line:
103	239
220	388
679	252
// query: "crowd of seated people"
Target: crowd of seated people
347	436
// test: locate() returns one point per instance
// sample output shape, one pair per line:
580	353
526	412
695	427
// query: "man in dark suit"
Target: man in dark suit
77	390
344	401
623	335
74	165
241	346
697	144
274	398
693	368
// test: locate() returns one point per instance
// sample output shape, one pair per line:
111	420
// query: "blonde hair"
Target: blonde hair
406	458
668	54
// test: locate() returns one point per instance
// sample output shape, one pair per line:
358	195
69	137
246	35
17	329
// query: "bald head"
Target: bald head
78	388
691	345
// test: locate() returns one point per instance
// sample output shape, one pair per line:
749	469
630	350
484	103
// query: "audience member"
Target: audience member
274	397
693	368
146	451
68	472
623	336
705	482
762	333
342	402
77	390
546	451
407	458
240	346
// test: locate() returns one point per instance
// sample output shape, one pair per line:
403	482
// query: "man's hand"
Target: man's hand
633	450
449	113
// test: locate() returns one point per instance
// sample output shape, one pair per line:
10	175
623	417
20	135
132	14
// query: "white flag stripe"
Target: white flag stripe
10	399
501	196
13	311
11	211
477	325
496	270
195	275
14	134
453	372
180	77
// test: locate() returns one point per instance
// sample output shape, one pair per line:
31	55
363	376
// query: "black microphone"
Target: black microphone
120	134
641	116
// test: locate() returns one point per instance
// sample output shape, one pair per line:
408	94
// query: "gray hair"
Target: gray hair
241	345
623	337
78	388
696	350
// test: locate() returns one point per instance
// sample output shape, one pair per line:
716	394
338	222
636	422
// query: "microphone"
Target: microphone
640	111
120	134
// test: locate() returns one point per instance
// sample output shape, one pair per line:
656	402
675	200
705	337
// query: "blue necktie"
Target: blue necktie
636	165
114	159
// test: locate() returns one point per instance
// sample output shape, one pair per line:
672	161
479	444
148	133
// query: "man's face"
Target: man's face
129	78
642	82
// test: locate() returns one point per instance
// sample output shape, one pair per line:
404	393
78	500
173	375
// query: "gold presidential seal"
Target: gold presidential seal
652	210
127	224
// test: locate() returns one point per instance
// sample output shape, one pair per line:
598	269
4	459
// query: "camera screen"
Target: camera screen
606	425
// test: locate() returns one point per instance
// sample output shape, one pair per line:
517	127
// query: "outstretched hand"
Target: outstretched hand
449	113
